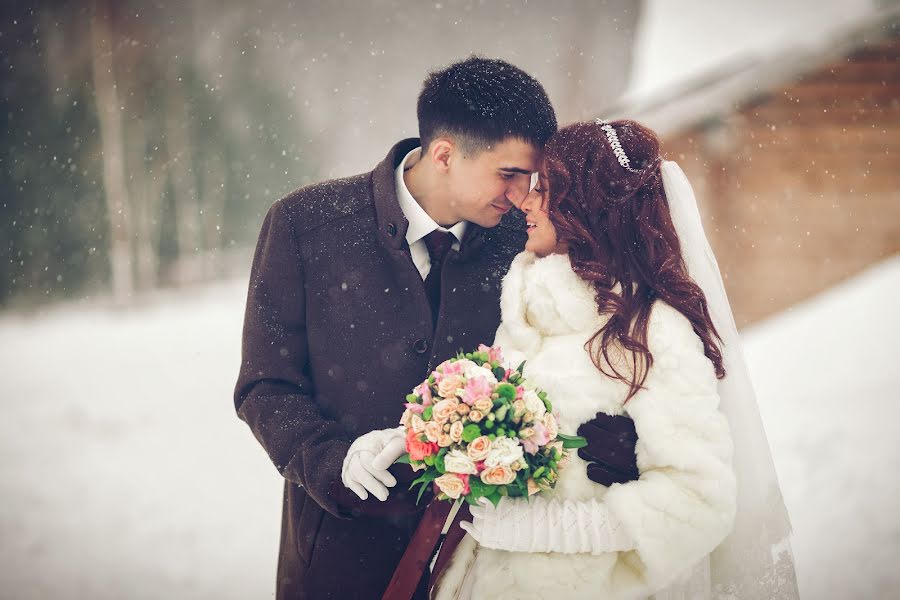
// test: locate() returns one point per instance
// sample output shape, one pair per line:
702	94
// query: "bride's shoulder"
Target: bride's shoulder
670	332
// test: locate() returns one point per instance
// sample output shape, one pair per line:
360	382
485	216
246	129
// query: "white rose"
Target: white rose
534	404
504	451
472	371
456	461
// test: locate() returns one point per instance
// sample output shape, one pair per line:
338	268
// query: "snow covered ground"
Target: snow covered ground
124	473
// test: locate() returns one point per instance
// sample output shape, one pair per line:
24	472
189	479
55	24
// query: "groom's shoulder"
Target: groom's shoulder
319	204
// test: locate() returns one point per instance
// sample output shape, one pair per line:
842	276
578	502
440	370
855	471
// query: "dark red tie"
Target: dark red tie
438	243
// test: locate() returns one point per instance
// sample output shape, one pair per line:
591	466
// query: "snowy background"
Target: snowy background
126	474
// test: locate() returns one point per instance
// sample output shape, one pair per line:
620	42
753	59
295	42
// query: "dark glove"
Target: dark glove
401	501
610	450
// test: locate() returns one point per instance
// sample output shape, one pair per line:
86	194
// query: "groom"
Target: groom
359	288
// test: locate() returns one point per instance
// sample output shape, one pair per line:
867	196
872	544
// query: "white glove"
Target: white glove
541	525
365	468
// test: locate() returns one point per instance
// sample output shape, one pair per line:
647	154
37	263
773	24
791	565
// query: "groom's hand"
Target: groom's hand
610	449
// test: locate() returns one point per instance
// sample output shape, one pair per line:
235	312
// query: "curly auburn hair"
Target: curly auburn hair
618	230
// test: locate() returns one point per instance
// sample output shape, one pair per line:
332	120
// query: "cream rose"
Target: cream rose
418	425
479	447
475	416
504	452
499	475
534	404
484	405
449	385
456	461
451	485
432	431
441	411
456	431
404	418
444	440
551	425
518	408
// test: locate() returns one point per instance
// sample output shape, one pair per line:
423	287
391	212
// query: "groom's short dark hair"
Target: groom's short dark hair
481	102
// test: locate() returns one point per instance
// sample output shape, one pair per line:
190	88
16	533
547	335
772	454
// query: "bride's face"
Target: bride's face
542	238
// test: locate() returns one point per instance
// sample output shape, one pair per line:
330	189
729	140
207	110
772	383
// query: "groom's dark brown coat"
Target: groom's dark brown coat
337	331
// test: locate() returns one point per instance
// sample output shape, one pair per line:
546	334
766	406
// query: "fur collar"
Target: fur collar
543	297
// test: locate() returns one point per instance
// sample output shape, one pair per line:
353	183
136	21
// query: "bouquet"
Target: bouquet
478	429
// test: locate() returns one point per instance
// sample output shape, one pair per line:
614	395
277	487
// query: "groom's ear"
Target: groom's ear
441	153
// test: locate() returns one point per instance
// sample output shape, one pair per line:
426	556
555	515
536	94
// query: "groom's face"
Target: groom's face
487	185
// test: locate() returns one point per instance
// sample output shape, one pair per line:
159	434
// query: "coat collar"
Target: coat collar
392	223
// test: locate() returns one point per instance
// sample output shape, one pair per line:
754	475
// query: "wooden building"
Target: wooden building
795	160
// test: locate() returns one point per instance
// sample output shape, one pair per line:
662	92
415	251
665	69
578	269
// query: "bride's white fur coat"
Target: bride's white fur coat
682	506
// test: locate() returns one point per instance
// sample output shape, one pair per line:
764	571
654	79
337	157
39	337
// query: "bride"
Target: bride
617	305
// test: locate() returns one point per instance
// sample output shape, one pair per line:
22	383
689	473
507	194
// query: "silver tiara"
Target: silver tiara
616	145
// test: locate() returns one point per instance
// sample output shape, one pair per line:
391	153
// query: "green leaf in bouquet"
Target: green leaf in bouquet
572	441
503	490
507	391
548	405
422	491
480	488
439	461
499	373
429	460
521	367
494	497
500	413
412	398
538	472
471	432
426	414
471	499
403	460
427	477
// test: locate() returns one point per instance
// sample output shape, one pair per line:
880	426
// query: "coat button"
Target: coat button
421	346
392	229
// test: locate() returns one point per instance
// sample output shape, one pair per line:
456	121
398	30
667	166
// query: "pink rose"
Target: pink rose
415	407
418	449
499	475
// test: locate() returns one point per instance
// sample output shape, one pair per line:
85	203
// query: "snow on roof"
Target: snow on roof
693	62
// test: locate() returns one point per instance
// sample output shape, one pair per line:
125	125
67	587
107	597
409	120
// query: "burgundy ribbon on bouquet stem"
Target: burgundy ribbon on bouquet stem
415	559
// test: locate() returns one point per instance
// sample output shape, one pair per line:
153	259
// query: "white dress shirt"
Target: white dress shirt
420	224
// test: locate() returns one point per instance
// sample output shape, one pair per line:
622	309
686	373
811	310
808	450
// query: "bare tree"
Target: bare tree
111	132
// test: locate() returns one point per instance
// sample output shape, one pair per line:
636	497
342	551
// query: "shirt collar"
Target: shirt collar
420	223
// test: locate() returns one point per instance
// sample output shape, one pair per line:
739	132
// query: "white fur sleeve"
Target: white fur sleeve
683	505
